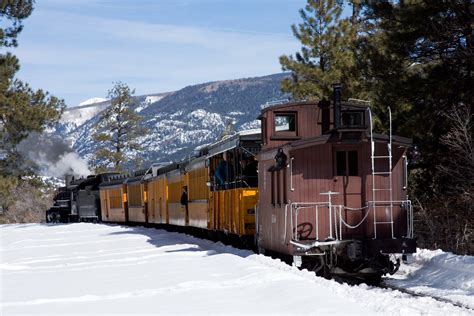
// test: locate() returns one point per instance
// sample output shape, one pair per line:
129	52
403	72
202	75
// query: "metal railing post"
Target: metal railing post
340	222
291	174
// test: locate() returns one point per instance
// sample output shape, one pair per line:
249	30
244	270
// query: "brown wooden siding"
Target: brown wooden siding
308	124
314	172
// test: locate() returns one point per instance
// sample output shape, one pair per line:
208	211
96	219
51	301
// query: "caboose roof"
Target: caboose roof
330	138
277	107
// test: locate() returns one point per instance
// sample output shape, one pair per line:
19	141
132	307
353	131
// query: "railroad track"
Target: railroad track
417	294
383	285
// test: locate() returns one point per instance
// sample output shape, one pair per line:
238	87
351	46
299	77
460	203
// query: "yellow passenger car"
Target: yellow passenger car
234	188
137	197
113	199
198	193
177	182
158	194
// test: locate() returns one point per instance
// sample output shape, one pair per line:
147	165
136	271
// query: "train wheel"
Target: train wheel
317	264
53	218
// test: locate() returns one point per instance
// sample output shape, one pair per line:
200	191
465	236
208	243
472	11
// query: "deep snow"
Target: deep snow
440	274
97	269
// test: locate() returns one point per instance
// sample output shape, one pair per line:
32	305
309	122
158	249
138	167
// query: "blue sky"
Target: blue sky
75	49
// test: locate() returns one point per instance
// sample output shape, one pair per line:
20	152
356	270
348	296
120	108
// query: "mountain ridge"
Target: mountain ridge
179	121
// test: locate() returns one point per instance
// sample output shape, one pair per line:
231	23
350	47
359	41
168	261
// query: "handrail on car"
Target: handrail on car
336	211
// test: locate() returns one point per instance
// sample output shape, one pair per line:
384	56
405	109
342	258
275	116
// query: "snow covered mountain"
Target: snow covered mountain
76	116
92	101
181	121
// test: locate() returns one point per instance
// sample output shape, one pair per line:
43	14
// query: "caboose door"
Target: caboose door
348	182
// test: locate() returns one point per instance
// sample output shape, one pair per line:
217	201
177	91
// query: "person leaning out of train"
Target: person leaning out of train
250	171
280	160
184	197
223	172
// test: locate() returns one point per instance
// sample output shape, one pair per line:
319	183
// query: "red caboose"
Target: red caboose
333	193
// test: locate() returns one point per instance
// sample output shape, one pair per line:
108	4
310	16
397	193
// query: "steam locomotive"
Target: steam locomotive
315	186
77	201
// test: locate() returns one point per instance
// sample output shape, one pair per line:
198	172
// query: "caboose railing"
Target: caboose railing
297	208
335	224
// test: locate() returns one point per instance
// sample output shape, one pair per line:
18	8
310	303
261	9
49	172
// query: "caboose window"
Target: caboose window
352	119
347	163
353	163
285	122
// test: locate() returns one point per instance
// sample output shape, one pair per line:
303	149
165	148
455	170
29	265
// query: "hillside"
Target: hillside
182	120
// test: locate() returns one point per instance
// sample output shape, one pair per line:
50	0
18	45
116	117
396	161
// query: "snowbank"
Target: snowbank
96	269
439	274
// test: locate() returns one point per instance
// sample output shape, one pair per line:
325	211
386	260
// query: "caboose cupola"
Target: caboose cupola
285	122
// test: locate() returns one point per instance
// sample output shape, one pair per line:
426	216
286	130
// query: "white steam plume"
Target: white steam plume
52	156
68	163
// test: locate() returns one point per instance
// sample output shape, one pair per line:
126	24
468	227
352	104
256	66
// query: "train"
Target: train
315	186
77	201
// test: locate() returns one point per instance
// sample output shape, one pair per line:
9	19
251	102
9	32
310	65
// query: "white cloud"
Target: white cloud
80	56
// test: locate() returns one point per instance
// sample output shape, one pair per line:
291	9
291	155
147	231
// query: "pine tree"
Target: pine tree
422	65
118	131
229	129
327	55
22	110
12	13
424	58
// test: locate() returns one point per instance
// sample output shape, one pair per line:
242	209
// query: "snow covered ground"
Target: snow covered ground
107	269
440	274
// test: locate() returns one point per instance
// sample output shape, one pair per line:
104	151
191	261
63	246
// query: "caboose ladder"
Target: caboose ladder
379	201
